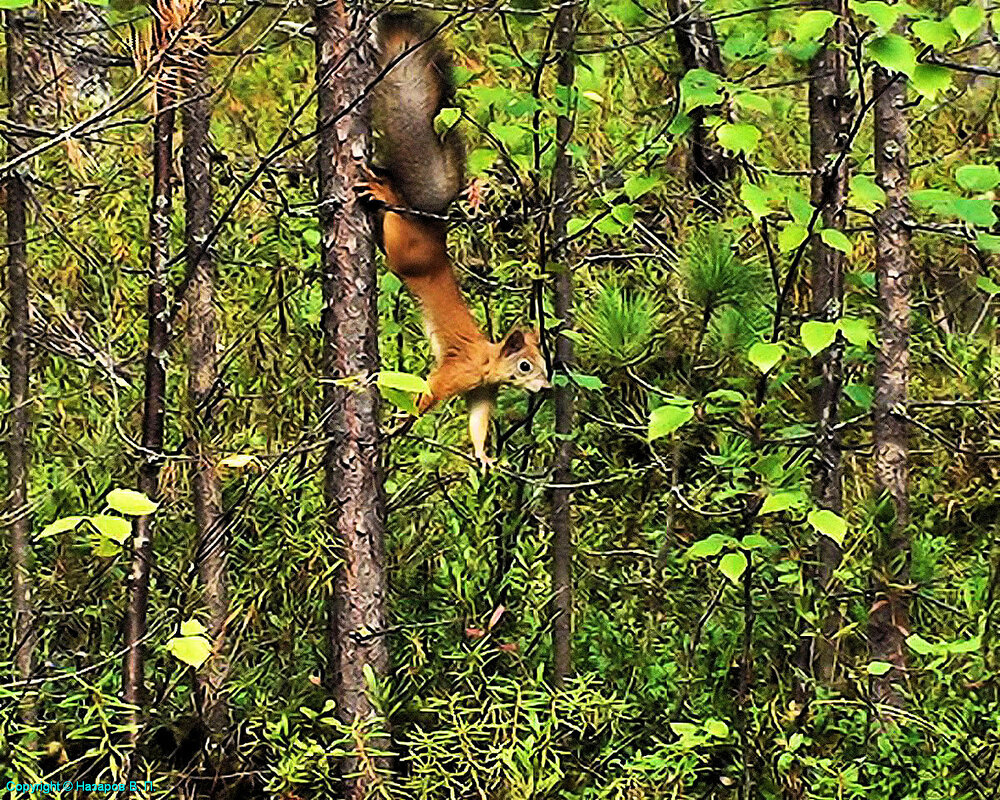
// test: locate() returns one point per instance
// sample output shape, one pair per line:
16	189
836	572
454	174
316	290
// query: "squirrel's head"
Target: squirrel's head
520	362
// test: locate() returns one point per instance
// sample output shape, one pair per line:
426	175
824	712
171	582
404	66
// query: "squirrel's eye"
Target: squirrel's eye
524	366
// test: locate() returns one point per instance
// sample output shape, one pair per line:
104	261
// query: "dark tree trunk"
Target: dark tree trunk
562	468
828	91
353	482
213	548
888	618
698	47
153	410
19	430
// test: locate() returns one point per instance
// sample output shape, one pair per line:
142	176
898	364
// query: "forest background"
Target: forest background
747	547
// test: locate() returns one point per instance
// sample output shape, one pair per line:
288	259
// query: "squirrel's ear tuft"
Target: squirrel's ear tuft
513	342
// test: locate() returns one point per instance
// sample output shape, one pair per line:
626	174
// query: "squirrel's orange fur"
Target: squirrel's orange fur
424	174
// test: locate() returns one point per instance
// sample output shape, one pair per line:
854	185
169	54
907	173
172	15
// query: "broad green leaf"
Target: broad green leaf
931	79
976	211
105	547
882	15
638	185
402	400
751	101
985	284
192	627
740	137
753	541
893	53
130	502
402	381
934	33
829	524
857	331
10	5
717	728
860	395
937	200
311	236
684	729
764	355
817	336
977	177
781	501
988	242
192	650
964	645
879	667
919	645
61	526
755	199
708	547
866	194
117	529
995	21
791	236
733	565
812	25
480	160
624	213
967	20
700	87
836	239
665	419
800	208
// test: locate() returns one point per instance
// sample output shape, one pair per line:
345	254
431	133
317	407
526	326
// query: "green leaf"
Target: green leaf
117	529
813	25
977	211
829	524
751	101
446	119
717	728
964	645
817	336
733	565
791	236
192	650
934	33
800	208
192	627
10	5
937	200
684	729
860	395
700	87
130	502
893	53
755	199
61	526
781	501
879	667
988	243
857	331
105	547
708	547
624	213
931	79
402	381
833	238
402	400
866	194
882	15
638	185
764	355
986	285
967	20
480	160
665	419
311	237
977	177
920	645
740	137
753	541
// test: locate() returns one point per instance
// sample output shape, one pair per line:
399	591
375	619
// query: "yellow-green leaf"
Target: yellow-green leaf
665	419
733	565
817	336
130	502
192	650
764	355
829	523
117	529
192	627
61	526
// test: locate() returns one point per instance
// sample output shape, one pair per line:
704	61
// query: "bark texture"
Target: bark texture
888	618
698	48
18	363
213	547
154	401
353	473
562	468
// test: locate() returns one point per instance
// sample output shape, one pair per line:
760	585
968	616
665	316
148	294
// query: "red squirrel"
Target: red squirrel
424	172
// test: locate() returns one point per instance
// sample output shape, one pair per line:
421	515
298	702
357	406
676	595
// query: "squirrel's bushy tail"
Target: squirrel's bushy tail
426	168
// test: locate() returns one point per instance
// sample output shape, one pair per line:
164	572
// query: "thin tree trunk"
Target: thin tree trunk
888	618
828	90
213	548
353	473
154	401
562	468
18	362
698	47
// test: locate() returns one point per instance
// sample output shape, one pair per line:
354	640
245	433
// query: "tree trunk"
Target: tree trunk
562	468
698	47
18	362
154	401
888	618
213	548
353	473
828	90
